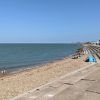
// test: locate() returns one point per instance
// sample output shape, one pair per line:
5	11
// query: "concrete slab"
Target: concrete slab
89	96
73	92
51	94
56	84
94	76
95	87
79	75
37	93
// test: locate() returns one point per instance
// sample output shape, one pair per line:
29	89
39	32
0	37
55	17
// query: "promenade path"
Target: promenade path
87	88
83	84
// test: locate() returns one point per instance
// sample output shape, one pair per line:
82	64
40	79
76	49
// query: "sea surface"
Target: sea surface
20	56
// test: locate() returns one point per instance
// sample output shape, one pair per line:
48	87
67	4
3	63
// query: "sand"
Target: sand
15	84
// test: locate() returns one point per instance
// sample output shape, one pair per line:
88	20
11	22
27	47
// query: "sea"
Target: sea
14	57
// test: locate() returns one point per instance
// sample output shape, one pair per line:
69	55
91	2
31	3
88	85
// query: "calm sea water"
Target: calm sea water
17	56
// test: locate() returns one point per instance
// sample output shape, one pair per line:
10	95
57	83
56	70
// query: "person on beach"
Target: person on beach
4	72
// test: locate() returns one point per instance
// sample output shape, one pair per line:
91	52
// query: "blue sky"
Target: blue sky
49	21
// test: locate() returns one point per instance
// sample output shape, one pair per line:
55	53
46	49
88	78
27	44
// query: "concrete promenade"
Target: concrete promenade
83	84
87	88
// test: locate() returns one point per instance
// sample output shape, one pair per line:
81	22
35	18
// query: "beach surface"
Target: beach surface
15	84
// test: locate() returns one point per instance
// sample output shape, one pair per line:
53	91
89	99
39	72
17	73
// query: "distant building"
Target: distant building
99	42
96	42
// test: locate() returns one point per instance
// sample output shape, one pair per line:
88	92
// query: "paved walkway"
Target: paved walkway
87	88
83	84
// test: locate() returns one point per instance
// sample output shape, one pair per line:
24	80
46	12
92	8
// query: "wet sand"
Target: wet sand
15	84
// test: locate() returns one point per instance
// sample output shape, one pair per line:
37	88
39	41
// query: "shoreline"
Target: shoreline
36	67
13	85
28	68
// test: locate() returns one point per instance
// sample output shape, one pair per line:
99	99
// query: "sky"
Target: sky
49	21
